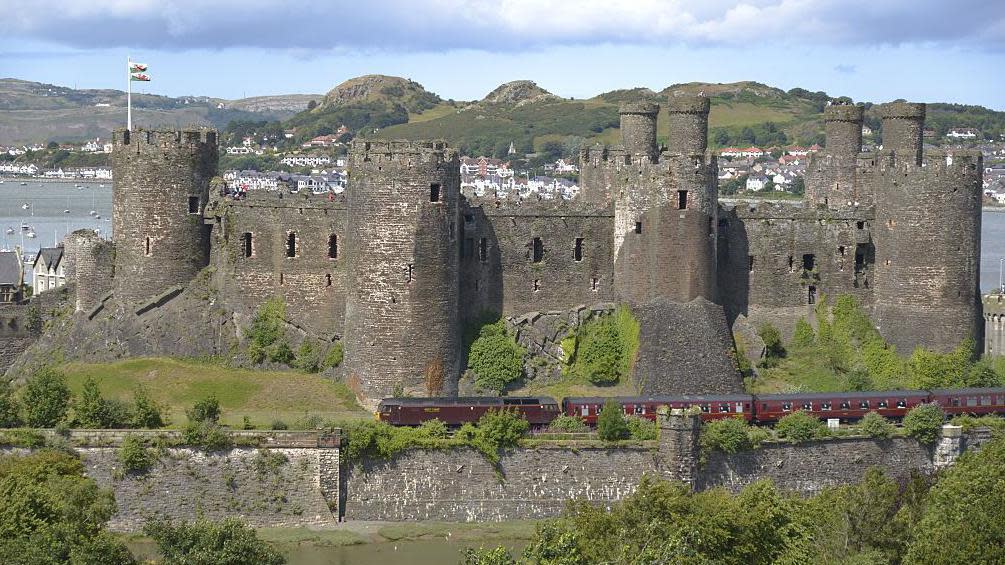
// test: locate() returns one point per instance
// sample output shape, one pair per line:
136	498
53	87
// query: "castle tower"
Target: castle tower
90	267
161	186
401	326
688	124
665	215
903	129
927	234
830	178
638	128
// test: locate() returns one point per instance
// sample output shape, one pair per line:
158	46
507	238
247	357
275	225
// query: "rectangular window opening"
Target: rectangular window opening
538	252
409	276
246	245
483	249
860	225
291	244
537	285
146	248
841	250
809	260
577	254
594	284
750	263
333	246
328	280
791	264
193	204
638	227
434	192
281	281
811	295
682	200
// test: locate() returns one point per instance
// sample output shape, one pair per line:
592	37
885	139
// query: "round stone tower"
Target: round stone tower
638	128
401	324
831	174
91	258
843	128
161	185
903	129
688	124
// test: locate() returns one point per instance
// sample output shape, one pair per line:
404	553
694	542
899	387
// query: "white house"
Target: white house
756	182
963	133
47	270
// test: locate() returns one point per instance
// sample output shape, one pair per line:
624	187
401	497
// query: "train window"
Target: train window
585	410
845	405
705	408
901	404
639	409
786	406
825	405
724	408
807	406
882	404
971	401
739	408
954	401
864	404
985	401
764	407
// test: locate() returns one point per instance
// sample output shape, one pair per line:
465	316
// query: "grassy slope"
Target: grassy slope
263	396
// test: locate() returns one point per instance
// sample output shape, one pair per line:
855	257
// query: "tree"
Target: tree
89	406
205	410
503	428
728	435
312	104
773	348
875	425
203	542
9	407
46	398
495	358
803	335
924	422
146	412
797	186
611	425
799	427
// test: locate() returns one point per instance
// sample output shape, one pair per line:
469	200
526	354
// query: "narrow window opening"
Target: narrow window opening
193	204
638	227
791	264
711	226
812	295
841	250
409	279
452	231
477	285
328	280
860	225
578	253
483	249
434	192
537	285
291	244
246	245
469	218
808	262
682	200
750	263
333	246
593	284
146	248
281	281
538	252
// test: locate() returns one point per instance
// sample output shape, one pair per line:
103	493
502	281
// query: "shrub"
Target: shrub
310	422
483	556
803	336
495	358
334	356
281	353
146	412
246	424
9	407
605	347
799	427
874	425
205	410
46	398
434	428
729	435
924	422
611	425
641	429
307	358
279	425
267	325
503	428
93	411
773	348
229	542
134	456
208	435
568	424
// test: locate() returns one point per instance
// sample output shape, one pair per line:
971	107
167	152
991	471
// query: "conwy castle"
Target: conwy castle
397	266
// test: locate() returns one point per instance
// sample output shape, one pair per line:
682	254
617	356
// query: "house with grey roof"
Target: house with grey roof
11	277
47	270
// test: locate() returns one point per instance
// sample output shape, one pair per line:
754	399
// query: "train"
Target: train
754	408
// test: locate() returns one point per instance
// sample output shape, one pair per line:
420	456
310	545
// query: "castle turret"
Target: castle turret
665	215
903	129
90	261
688	124
638	128
928	247
161	185
830	177
401	327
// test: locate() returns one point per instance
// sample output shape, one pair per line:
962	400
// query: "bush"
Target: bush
279	425
611	425
134	456
205	410
146	412
9	407
729	435
503	428
483	556
208	435
92	411
229	542
334	356
281	353
773	348
803	336
307	358
874	425
641	429
495	358
46	398
799	427
568	424
924	423
605	348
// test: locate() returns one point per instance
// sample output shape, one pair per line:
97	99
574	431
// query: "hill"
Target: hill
33	111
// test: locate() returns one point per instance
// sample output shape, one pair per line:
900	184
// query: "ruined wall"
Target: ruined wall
502	272
92	260
251	255
161	186
402	315
809	468
927	233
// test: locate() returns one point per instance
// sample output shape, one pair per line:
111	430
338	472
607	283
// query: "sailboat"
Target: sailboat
67	211
10	230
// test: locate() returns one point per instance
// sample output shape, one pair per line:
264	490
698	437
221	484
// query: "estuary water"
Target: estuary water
47	202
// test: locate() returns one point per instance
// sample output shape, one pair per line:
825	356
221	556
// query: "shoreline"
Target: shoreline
19	180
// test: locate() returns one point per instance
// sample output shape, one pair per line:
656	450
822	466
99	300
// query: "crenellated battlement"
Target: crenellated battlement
688	104
399	152
283	199
953	162
844	113
515	205
902	110
142	140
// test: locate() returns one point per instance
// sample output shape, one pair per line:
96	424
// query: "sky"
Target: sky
875	50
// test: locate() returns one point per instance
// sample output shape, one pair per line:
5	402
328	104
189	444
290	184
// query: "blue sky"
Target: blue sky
876	50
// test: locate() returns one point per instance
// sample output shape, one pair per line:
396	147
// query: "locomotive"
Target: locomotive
755	409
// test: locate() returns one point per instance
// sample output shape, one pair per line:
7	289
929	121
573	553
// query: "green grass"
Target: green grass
438	111
411	531
318	538
262	396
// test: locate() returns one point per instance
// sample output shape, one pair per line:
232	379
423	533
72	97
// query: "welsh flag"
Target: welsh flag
140	77
137	67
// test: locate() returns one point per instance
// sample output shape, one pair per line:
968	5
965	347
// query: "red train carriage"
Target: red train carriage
976	401
842	405
538	410
712	407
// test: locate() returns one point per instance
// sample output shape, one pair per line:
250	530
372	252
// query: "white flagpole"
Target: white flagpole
129	95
